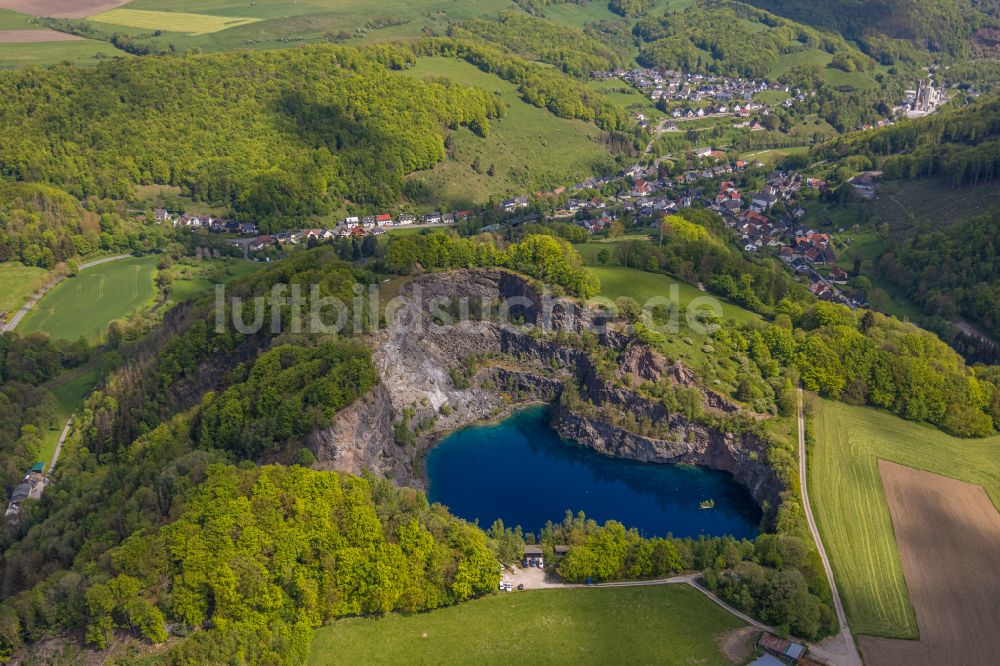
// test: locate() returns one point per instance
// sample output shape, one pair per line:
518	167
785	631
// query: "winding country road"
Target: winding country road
840	648
26	308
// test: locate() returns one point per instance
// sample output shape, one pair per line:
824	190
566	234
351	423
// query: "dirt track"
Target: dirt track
948	534
61	8
34	36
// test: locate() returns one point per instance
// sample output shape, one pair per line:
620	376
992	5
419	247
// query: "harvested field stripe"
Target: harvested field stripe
35	36
182	22
852	511
948	533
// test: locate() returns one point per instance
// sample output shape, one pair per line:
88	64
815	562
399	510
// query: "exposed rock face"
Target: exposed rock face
695	444
422	368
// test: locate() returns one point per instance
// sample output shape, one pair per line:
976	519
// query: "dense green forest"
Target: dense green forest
571	50
539	85
630	8
41	226
749	46
290	391
953	271
961	144
275	134
545	257
933	25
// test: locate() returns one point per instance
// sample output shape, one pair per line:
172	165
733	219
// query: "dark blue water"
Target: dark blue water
522	472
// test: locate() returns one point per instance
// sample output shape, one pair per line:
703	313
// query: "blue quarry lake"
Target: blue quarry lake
521	471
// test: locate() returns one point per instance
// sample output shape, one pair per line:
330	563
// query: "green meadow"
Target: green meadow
530	149
78	52
662	624
84	305
851	510
833	76
17	283
69	390
196	278
10	20
619	281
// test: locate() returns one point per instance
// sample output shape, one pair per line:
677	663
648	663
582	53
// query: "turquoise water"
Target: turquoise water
522	472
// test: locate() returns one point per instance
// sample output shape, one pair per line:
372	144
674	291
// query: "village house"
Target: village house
865	183
762	201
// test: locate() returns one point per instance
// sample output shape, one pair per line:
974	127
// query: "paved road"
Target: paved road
12	324
840	648
656	135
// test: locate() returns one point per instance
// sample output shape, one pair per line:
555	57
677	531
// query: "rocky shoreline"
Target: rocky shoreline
427	386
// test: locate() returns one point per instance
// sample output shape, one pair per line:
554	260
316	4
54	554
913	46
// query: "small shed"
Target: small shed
561	549
766	660
38	467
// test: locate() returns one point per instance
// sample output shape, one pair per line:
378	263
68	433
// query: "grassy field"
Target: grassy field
85	304
851	509
197	278
620	281
17	283
10	20
626	96
775	155
78	52
183	22
70	390
530	149
665	624
835	77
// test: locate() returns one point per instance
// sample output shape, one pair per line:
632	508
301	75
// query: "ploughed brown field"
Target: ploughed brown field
61	8
948	534
34	36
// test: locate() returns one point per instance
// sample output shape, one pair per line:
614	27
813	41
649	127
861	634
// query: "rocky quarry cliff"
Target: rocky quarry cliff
437	378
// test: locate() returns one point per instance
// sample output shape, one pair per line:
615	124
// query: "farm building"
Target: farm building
781	647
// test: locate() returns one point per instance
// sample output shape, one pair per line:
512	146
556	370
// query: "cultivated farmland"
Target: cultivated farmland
86	304
35	36
949	536
61	8
664	624
191	24
851	509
